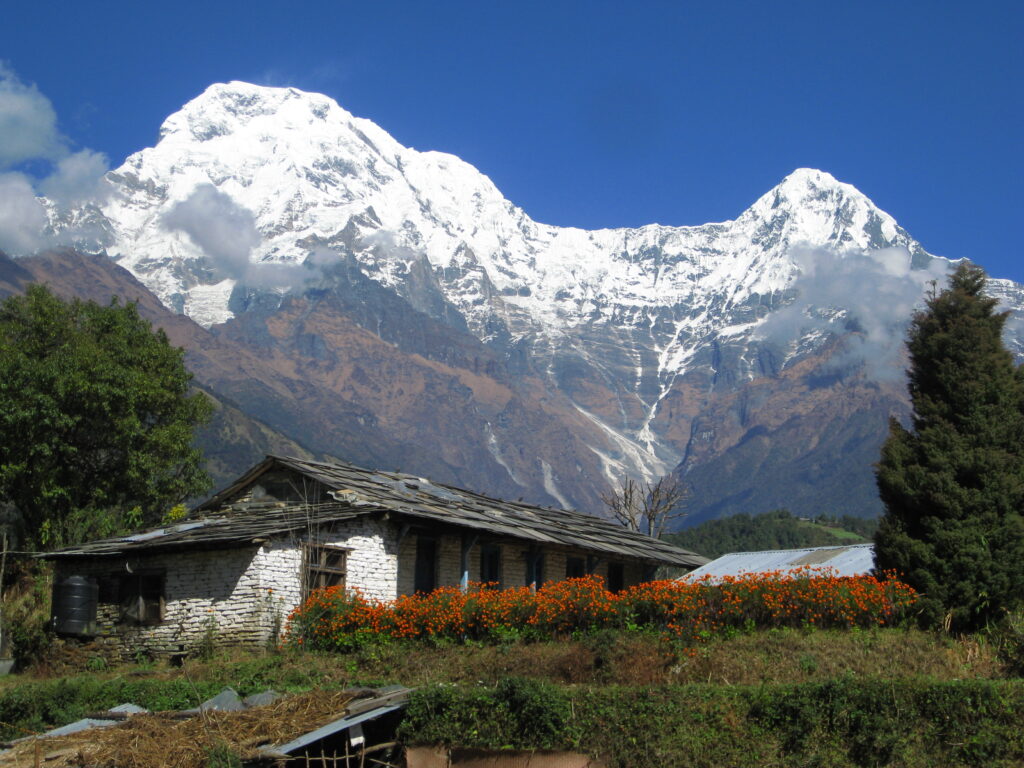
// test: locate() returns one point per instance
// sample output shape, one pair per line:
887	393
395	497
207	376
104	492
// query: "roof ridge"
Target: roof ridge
800	549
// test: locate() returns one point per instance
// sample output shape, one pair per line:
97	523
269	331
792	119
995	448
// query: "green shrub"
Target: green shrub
1009	637
846	722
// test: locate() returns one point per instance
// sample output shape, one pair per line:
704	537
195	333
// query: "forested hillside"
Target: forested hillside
779	529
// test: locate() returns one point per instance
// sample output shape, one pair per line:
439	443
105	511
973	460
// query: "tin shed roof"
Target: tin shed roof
850	560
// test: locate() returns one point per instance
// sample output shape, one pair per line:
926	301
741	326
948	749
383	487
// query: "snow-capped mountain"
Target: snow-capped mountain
254	196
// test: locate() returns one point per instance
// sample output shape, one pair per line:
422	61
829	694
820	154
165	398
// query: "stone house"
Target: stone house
240	562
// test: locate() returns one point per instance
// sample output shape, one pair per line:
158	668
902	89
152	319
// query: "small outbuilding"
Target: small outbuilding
849	560
239	563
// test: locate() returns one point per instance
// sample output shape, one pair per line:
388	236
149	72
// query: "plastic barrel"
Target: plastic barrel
74	606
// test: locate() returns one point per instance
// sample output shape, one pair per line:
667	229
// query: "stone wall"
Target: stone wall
244	596
214	595
233	596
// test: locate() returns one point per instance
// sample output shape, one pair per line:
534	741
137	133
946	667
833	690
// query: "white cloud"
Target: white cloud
78	178
28	132
28	122
226	233
22	216
223	229
868	297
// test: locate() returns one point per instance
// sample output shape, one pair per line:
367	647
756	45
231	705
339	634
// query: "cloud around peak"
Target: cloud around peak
28	122
30	137
226	233
865	297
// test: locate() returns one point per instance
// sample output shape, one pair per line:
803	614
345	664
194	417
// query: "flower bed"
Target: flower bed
340	619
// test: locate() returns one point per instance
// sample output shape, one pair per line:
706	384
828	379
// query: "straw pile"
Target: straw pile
166	740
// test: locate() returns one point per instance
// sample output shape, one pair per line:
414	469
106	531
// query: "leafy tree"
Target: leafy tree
96	419
953	484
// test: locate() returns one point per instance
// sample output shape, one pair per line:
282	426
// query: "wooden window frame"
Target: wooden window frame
317	572
150	603
433	542
570	563
492	550
534	568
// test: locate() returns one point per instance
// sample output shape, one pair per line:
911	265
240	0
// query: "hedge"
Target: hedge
839	723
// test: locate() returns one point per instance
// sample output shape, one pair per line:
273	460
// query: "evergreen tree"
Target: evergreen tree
96	419
953	485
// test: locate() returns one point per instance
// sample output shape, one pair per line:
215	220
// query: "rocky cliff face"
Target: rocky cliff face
402	312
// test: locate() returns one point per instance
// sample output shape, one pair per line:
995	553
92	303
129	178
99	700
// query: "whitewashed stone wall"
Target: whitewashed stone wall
244	596
238	596
214	593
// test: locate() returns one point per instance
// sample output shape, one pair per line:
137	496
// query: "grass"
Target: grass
608	657
679	706
837	532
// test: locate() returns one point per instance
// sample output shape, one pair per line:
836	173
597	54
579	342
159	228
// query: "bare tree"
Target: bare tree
645	507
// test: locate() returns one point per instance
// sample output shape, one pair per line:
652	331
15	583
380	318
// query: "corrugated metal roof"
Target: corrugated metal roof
850	560
224	520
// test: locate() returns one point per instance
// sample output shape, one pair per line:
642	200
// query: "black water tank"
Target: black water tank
74	606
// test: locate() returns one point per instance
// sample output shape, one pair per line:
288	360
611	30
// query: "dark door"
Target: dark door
490	564
425	579
616	577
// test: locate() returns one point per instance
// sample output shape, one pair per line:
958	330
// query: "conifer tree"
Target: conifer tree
953	485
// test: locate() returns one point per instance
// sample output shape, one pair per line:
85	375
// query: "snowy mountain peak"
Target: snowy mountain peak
298	174
810	177
224	107
254	192
810	187
812	207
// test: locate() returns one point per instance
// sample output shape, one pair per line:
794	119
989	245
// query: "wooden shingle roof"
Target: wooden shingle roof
354	491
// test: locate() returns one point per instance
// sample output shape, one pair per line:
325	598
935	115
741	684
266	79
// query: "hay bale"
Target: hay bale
166	740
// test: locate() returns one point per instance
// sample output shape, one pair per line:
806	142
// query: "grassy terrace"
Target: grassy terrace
778	697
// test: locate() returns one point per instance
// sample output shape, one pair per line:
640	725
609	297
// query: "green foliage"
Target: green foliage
772	530
846	722
206	647
222	756
953	485
1009	639
519	712
864	527
26	612
95	416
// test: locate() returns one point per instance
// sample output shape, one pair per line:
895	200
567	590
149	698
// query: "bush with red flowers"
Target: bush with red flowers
340	619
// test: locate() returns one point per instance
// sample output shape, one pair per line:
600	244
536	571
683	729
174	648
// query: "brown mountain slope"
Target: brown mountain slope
316	382
777	441
352	371
232	440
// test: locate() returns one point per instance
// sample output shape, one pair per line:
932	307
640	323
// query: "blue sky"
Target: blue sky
598	114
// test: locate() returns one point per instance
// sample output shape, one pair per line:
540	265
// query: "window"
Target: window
141	598
535	569
616	577
425	576
325	567
575	568
490	563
